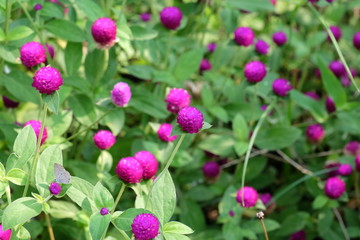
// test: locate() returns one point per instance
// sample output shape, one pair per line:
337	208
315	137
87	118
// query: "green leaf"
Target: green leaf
83	108
241	148
19	32
293	223
188	64
123	30
79	83
319	202
17	176
98	225
3	186
2	170
94	65
20	211
277	137
81	193
332	85
21	233
255	225
115	120
252	6
60	123
10	53
141	33
219	112
174	236
52	101
104	162
207	96
240	128
66	30
141	71
2	35
177	227
222	145
63	209
126	218
102	197
73	56
52	10
91	9
192	215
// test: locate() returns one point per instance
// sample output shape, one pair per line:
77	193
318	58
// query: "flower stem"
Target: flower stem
8	193
50	229
7	18
122	189
342	224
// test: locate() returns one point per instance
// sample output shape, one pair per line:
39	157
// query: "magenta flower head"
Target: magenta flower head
330	105
336	31
145	17
190	119
55	188
177	99
247	197
32	54
8	103
171	17
334	165
121	94
211	170
312	95
211	47
281	87
337	68
145	226
47	80
37	7
265	198
262	47
315	133
244	36
357	163
356	40
345	80
352	148
345	169
334	187
164	133
279	38
50	50
205	65
103	31
148	162
104	211
255	71
5	235
36	125
300	235
129	170
104	139
273	2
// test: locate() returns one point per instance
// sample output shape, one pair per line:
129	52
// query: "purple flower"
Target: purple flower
265	198
164	133
357	163
356	40
177	99
205	65
211	47
171	17
8	103
317	73
313	1
300	235
55	188
345	169
330	105
5	235
244	36
129	170
104	211
104	139
334	187
190	119
32	54
37	7
247	197
50	50
145	17
145	226
231	213
337	68
334	172
255	71
313	95
47	80
315	133
281	87
148	162
273	2
121	94
352	148
104	32
336	31
36	126
329	1
262	47
345	80
211	170
279	38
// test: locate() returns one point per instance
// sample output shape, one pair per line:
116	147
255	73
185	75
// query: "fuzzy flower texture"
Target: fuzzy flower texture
121	94
281	87
244	36
211	170
32	54
36	126
104	139
5	235
104	32
171	17
55	188
177	99
47	80
190	119
255	71
247	197
129	170
315	133
334	187
148	162
279	38
164	133
145	226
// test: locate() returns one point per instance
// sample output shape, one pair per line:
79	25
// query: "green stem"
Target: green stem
204	30
50	229
168	49
122	233
37	153
122	189
8	193
342	224
101	73
7	18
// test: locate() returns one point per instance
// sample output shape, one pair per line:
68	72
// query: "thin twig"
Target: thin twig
260	216
293	163
323	154
342	224
236	161
50	229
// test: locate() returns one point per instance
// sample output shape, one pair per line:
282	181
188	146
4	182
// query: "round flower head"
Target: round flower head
8	103
148	162
50	50
315	133
37	7
211	169
145	17
104	211
345	80
357	163
55	188
5	235
104	139
121	94
313	95
145	226
300	235
317	73
247	197
36	125
336	31
273	2
32	54
337	68
356	40
177	99
171	17
334	187
47	80
262	47
244	36
334	165
330	105
231	213
265	198
211	47
129	170
352	148
164	133
281	87
279	38
104	32
255	71
190	119
205	65
345	169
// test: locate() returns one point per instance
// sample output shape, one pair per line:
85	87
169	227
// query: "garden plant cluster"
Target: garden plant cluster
179	119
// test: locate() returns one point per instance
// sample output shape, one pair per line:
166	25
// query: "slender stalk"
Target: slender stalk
50	229
122	233
342	224
168	49
122	189
293	163
37	151
7	17
8	193
204	30
264	229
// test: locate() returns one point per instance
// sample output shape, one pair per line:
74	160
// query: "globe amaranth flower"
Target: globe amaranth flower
211	47
345	169
145	17
177	99
312	95
51	50
55	188
334	187
300	235
315	133
32	54
211	170
205	65
352	148
345	80
190	119
37	7
36	126
121	94
145	226
357	163
104	211
104	139
273	2
255	71
281	87
148	162
330	105
336	31
5	235
279	38
103	31
129	170
47	80
164	133
356	40
334	165
247	197
171	17
337	68
262	47
8	103
244	36
265	198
